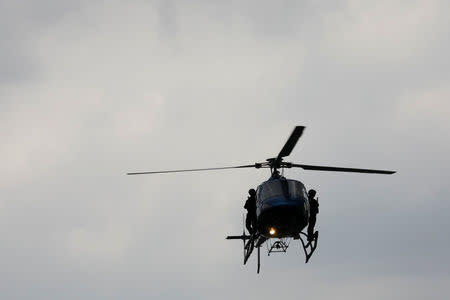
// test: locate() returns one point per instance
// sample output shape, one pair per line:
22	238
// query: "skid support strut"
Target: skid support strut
309	247
248	248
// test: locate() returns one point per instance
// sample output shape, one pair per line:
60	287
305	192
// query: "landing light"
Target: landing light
272	231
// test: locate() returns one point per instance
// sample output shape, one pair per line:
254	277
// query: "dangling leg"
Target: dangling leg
248	224
312	223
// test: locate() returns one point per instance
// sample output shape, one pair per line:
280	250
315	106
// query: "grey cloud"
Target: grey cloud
166	85
22	22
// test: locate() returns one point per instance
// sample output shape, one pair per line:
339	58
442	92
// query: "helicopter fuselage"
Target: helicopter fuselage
282	207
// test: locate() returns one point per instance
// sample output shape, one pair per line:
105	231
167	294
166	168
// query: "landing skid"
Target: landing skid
255	240
310	246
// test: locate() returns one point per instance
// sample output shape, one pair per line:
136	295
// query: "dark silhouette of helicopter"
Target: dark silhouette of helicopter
282	204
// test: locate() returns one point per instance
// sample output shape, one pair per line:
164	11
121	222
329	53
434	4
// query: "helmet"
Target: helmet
311	193
252	192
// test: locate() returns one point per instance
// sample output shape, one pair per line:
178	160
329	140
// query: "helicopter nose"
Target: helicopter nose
282	221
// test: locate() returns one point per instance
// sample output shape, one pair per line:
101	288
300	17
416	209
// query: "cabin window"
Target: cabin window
305	194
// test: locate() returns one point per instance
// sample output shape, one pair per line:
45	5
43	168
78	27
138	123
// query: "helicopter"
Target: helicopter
282	205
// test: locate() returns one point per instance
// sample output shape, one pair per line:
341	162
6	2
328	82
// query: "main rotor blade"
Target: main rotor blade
193	170
339	169
290	144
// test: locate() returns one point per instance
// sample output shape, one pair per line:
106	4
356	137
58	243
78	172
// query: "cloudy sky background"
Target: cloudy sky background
90	90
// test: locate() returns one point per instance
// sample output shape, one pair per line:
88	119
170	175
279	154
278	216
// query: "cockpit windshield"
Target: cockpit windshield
281	187
270	189
297	189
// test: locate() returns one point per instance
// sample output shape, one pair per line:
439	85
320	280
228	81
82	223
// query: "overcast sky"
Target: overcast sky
90	90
